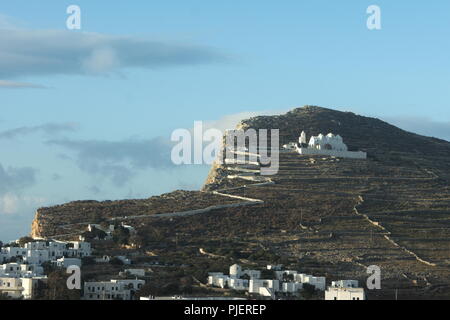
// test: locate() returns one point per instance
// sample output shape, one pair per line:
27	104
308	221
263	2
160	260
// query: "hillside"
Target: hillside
328	216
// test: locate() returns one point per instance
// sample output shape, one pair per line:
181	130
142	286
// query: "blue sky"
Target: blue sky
79	107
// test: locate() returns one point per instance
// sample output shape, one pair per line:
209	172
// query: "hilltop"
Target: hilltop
323	215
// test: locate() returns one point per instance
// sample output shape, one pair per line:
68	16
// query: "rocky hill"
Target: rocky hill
324	215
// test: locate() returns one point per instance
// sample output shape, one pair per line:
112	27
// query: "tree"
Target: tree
116	262
87	261
25	240
267	274
48	267
288	277
121	235
55	288
308	291
4	296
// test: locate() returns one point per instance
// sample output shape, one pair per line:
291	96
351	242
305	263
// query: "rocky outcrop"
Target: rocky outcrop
37	226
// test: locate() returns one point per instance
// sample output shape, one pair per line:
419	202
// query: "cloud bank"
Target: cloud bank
118	160
12	178
50	52
12	182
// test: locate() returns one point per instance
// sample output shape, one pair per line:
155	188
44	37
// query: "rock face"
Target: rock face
37	226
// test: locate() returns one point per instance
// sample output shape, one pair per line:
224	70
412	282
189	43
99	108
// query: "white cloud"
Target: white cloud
11	203
230	121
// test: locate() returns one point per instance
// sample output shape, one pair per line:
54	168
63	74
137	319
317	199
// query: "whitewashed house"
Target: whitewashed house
287	281
19	287
13	252
274	267
345	284
291	287
136	272
237	272
290	146
238	284
218	279
112	290
340	293
36	256
18	270
318	282
282	274
39	252
265	288
255	284
67	262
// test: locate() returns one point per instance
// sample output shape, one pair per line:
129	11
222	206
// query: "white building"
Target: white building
290	146
255	284
136	272
339	293
302	139
12	252
36	256
19	287
18	270
318	282
238	284
109	229
282	274
291	287
38	252
329	145
274	267
237	272
67	262
345	284
218	279
112	290
265	288
287	281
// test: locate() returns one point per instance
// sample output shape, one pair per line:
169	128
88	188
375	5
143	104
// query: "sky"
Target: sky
88	113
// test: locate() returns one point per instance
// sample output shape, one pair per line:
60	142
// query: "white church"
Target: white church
329	145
